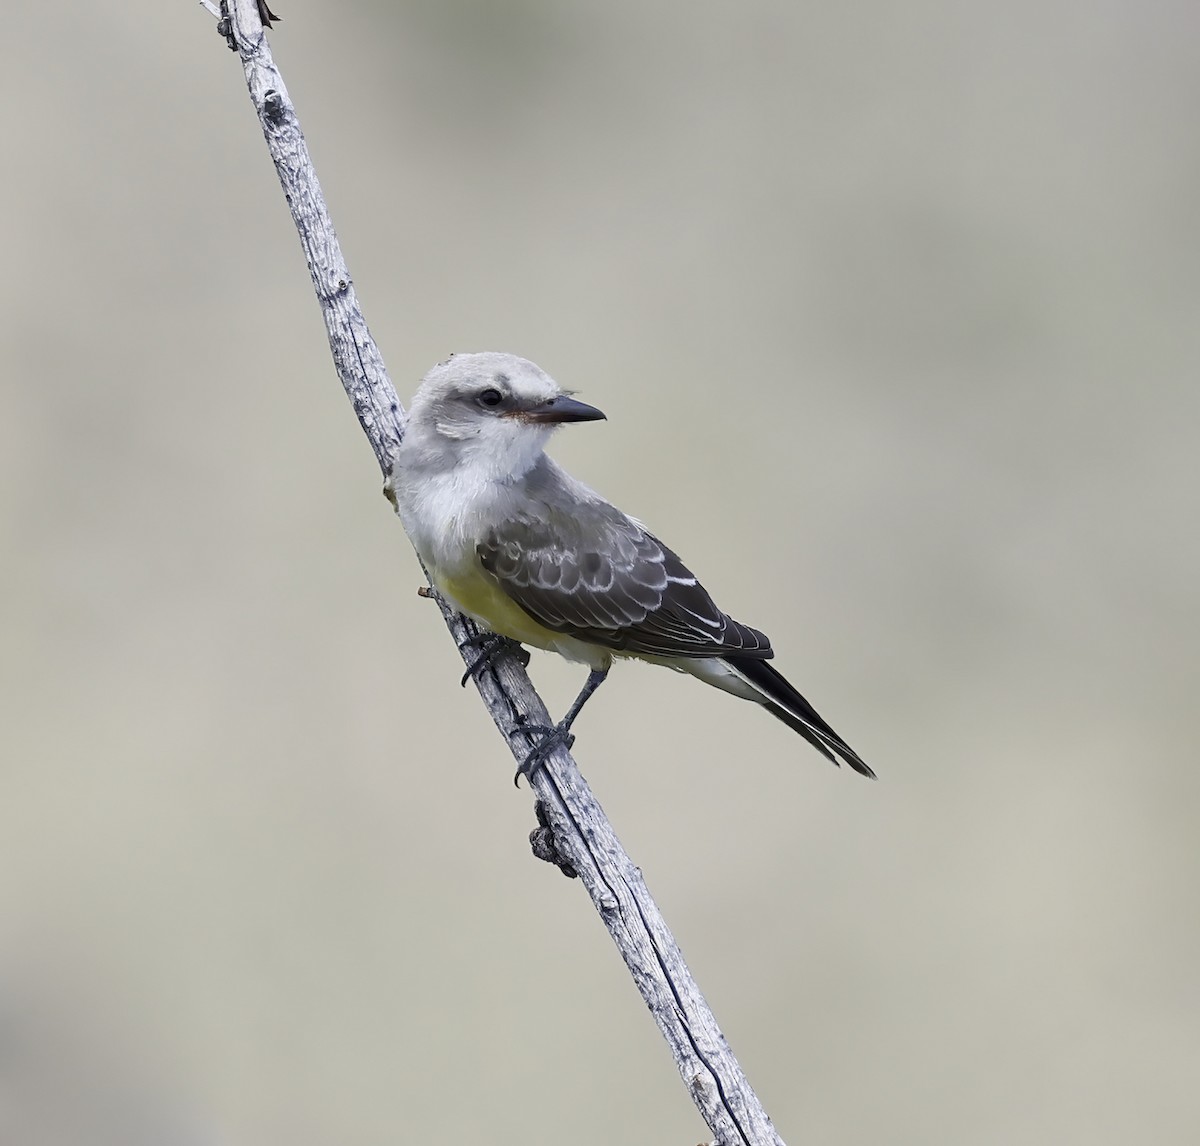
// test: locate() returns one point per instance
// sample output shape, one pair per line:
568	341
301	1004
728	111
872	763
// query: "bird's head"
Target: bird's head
492	411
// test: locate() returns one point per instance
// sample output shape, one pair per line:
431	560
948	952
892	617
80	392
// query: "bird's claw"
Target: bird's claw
552	736
491	645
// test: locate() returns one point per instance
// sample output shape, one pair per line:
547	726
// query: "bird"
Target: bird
534	556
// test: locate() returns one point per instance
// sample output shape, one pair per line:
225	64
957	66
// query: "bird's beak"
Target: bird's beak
562	409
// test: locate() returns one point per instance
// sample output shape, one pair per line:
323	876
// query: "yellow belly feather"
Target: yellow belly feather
475	593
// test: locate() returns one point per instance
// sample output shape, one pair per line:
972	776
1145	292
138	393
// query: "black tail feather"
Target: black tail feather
786	704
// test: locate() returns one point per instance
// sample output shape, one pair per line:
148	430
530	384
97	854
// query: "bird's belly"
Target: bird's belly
473	592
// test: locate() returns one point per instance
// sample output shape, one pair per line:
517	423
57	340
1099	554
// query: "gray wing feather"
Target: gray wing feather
589	571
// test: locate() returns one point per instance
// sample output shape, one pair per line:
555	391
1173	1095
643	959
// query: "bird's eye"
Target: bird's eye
491	397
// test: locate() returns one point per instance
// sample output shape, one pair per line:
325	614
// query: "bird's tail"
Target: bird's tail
778	697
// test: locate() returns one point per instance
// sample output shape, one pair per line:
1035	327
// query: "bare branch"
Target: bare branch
575	833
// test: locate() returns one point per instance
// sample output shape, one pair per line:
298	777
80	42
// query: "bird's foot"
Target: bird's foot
490	646
552	736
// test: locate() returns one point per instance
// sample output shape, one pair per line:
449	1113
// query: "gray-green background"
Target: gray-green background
894	313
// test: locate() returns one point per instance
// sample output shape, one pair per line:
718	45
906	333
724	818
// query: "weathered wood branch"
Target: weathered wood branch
575	833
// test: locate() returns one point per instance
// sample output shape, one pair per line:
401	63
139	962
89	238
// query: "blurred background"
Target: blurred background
893	312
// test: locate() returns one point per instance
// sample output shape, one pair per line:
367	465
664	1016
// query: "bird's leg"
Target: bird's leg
490	646
559	733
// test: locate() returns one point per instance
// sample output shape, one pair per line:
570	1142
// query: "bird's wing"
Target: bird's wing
589	571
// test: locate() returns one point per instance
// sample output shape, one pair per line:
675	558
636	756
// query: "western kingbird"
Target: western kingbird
513	541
